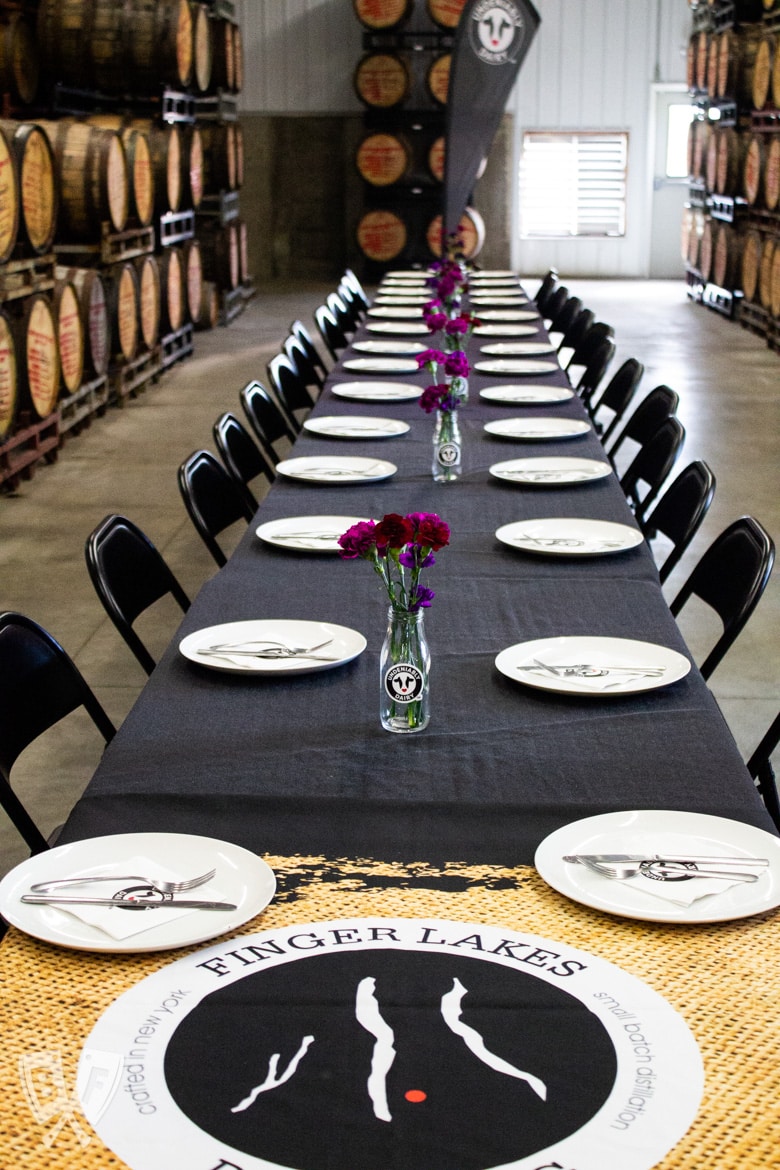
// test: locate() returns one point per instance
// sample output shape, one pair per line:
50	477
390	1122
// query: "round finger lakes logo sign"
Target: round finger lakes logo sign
390	1044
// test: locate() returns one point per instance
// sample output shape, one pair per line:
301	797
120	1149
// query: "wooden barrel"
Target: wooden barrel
384	158
776	75
93	306
752	246
62	41
218	149
70	335
774	283
711	161
9	195
472	231
238	58
38	199
9	376
382	80
105	34
765	272
202	48
19	60
149	296
381	235
220	254
172	291
700	132
239	148
437	79
223	66
436	156
165	155
690	62
696	227
761	86
192	162
122	300
701	56
208	316
706	249
192	273
91	168
753	169
159	43
772	174
730	161
727	258
383	14
445	13
139	165
39	358
713	61
243	252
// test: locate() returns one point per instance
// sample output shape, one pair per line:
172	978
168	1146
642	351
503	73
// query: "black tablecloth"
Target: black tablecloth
301	764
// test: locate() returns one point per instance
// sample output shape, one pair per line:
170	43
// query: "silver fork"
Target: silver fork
659	870
164	886
274	648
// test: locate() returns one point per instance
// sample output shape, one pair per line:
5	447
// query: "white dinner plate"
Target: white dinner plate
335	645
498	299
517	347
402	298
592	666
355	426
532	429
377	391
508	329
494	274
318	534
562	536
526	395
336	469
413	328
515	366
242	878
509	315
550	470
395	311
399	347
380	365
654	831
407	274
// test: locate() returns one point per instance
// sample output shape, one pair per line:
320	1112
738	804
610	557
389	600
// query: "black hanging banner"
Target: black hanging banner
491	42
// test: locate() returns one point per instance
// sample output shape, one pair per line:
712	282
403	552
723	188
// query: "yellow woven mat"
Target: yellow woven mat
723	979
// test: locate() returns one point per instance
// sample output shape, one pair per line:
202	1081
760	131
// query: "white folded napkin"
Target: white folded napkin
683	893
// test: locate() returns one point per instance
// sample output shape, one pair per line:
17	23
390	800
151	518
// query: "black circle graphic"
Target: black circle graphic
448	1107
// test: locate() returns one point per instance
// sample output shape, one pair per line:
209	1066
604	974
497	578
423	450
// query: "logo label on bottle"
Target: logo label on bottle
404	682
448	454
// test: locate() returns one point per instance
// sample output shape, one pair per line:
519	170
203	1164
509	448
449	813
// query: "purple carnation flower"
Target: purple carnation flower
358	541
434	357
421	598
456	364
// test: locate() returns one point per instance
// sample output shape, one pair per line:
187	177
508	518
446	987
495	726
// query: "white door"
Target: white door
671	114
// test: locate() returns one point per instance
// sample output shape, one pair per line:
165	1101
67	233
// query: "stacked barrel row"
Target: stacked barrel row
731	235
402	79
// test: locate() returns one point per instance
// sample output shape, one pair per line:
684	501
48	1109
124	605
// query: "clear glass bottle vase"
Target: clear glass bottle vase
404	673
447	449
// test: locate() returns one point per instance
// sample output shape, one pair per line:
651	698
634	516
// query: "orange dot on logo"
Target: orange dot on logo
415	1095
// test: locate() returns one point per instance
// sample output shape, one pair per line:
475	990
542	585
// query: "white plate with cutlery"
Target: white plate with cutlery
389	347
509	348
508	315
336	469
319	534
569	537
500	297
550	470
515	366
508	329
594	666
377	391
413	328
535	429
354	426
273	647
241	879
399	297
664	833
382	365
395	311
526	395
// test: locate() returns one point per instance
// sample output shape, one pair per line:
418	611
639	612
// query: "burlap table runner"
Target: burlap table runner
724	980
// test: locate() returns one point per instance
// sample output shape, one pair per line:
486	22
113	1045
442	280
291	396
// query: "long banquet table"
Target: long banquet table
444	824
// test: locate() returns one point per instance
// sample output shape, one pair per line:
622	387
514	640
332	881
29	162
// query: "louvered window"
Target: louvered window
573	184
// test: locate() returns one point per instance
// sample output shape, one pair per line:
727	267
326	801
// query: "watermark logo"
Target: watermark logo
43	1081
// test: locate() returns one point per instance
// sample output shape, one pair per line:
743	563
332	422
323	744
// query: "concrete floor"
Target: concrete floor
729	386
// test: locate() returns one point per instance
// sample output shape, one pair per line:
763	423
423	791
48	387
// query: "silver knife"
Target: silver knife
176	903
616	858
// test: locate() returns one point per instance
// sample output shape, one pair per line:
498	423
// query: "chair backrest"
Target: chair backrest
130	575
338	307
621	388
330	331
242	457
265	417
566	316
351	279
353	306
595	369
760	768
545	289
574	335
289	388
680	511
590	342
212	499
730	577
659	404
555	303
652	464
299	331
39	685
300	357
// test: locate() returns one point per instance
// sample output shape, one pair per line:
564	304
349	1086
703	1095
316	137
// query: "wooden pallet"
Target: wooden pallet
31	443
78	409
131	378
175	346
112	248
176	226
22	278
754	317
223	206
722	300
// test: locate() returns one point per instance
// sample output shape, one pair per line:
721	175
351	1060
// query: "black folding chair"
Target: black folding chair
129	574
574	336
659	404
243	459
319	370
680	511
290	388
595	369
730	577
351	279
39	685
566	316
619	392
760	768
213	500
294	349
555	304
652	464
342	311
545	290
266	419
330	331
